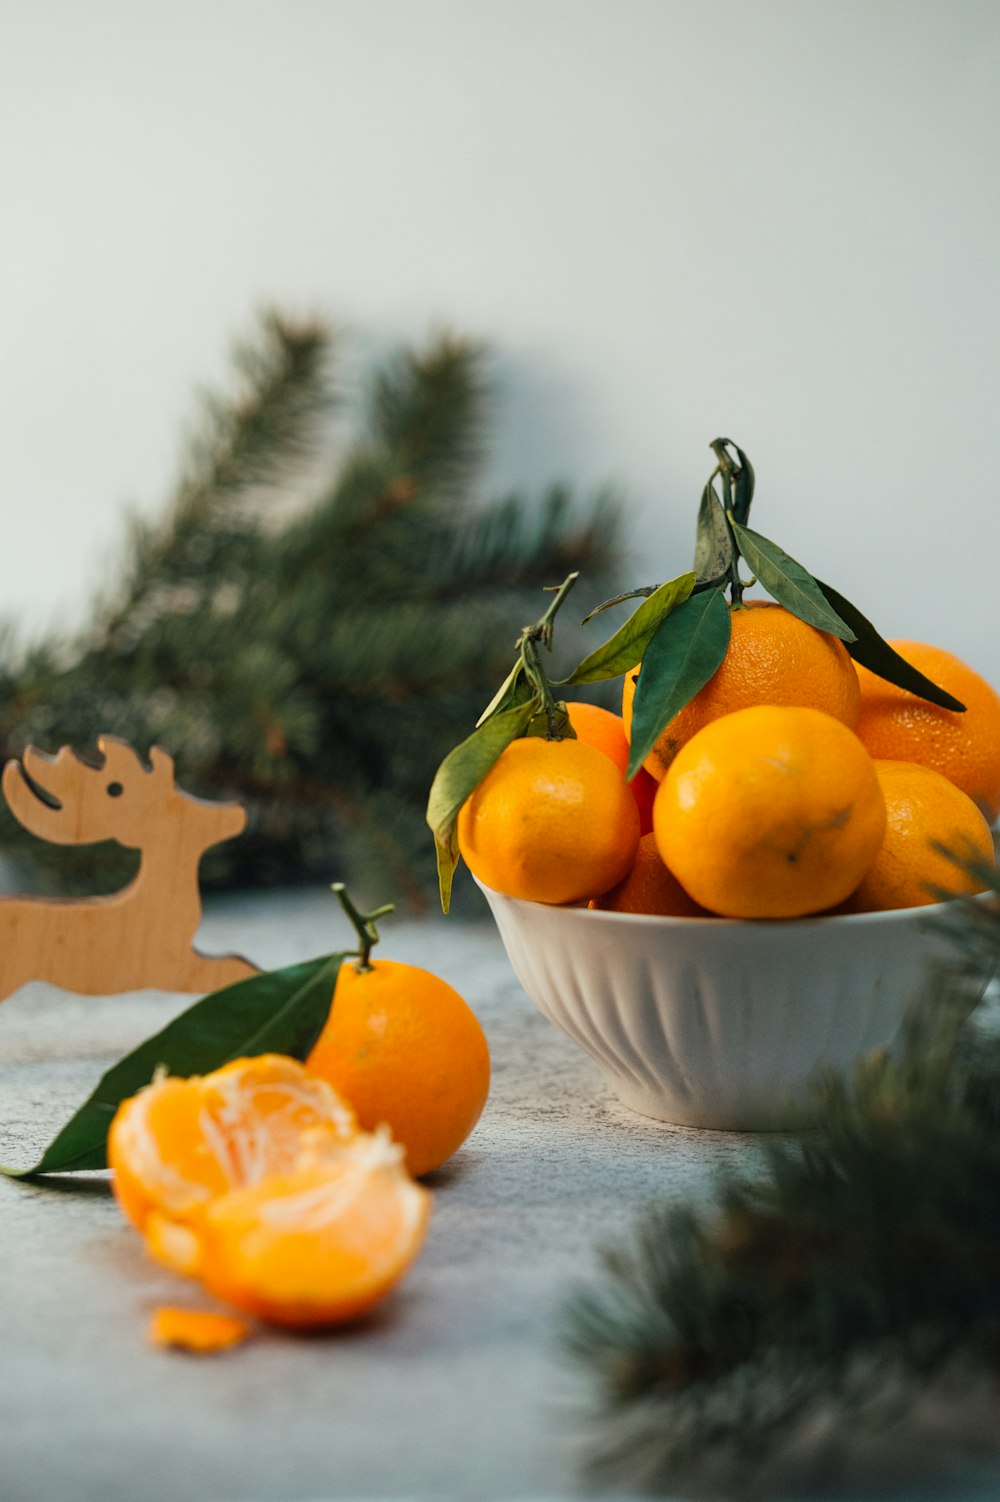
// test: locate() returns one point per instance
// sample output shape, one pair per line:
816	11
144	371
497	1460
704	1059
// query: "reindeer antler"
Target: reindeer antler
162	763
119	757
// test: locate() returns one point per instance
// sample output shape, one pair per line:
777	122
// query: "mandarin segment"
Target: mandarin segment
772	658
178	1143
897	726
925	816
552	821
405	1049
770	813
321	1244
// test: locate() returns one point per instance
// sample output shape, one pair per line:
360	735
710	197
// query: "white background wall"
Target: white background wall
775	219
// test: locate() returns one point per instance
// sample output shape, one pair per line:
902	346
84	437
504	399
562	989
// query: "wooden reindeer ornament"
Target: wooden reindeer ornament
143	935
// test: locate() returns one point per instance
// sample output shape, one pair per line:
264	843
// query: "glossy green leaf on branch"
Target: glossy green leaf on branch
461	772
279	1011
789	583
713	552
679	660
512	691
874	653
628	644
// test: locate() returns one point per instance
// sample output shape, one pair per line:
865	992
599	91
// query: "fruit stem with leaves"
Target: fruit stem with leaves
679	633
523	705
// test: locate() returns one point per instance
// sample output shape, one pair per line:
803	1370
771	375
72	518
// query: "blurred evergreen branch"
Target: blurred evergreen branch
314	661
862	1261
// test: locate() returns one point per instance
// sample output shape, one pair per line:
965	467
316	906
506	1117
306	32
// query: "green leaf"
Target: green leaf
743	483
628	645
874	653
713	552
789	583
461	772
680	660
513	690
279	1011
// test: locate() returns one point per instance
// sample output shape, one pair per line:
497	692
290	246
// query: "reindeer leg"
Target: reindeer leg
205	972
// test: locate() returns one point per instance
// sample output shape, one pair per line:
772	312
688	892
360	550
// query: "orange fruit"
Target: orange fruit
315	1245
404	1048
770	812
772	658
199	1330
178	1143
600	728
923	810
649	888
896	725
644	790
552	821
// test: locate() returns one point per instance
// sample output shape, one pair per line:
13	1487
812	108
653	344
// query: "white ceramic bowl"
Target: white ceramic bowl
712	1022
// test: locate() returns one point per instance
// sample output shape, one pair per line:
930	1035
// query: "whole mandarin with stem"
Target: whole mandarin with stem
964	747
772	658
403	1048
770	812
552	821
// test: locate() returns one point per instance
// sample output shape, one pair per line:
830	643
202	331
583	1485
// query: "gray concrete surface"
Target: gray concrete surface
454	1390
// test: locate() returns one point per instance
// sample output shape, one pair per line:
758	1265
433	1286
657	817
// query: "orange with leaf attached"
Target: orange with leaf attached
405	1050
552	821
772	658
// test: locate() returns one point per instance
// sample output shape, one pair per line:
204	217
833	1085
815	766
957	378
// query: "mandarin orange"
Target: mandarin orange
316	1245
770	812
552	821
772	658
600	728
406	1050
649	888
965	748
925	815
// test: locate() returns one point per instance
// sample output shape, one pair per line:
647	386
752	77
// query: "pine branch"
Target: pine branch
239	444
317	663
867	1253
272	422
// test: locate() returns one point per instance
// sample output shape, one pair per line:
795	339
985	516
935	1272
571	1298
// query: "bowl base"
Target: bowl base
744	1115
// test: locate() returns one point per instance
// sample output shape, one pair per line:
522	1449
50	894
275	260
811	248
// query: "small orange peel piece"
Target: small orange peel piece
197	1330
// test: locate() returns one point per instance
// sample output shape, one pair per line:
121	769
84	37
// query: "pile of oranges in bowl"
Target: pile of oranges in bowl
791	784
724	889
